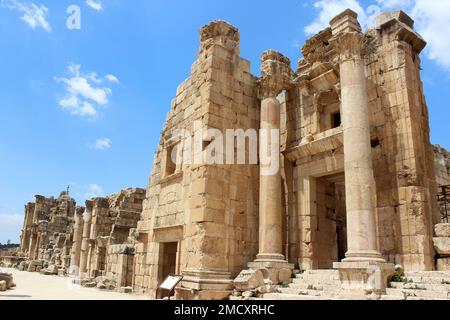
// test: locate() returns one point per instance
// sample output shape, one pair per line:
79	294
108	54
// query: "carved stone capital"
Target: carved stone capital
276	74
348	45
80	210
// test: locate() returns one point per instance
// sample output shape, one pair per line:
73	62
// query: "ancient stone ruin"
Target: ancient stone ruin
354	209
59	238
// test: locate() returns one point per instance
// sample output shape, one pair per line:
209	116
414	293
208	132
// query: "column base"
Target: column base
364	256
361	278
273	267
205	285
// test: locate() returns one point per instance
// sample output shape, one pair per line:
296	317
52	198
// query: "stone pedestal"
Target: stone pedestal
204	285
364	278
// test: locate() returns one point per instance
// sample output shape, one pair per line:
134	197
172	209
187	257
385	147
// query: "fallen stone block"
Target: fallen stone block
3	286
249	280
7	277
101	285
442	246
125	290
90	285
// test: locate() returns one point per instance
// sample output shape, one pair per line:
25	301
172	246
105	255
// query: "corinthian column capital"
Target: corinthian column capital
348	45
276	74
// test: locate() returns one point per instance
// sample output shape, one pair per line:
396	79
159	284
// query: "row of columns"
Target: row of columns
359	177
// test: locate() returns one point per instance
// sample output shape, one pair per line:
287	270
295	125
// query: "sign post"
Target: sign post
171	283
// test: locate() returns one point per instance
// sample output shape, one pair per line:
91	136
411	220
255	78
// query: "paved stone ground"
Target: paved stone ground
34	286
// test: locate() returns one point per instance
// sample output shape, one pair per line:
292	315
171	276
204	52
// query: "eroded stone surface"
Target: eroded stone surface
442	246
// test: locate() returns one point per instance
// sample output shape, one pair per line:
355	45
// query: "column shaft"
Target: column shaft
270	230
359	178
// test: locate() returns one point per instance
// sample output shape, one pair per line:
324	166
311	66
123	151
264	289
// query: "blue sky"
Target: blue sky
85	107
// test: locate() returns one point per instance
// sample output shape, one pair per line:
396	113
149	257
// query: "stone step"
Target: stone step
319	281
301	292
391	298
321	272
429	280
429	274
428	294
421	286
316	286
317	277
281	296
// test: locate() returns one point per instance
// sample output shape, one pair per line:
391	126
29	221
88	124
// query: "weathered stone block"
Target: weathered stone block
442	246
443	264
249	280
2	285
442	230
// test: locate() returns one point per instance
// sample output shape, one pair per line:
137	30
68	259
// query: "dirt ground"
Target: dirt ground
34	286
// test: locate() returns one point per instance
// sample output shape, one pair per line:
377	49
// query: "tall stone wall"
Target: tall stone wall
210	211
47	230
107	223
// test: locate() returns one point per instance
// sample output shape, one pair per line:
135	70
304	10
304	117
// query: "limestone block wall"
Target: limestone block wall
401	148
442	165
111	221
120	264
209	210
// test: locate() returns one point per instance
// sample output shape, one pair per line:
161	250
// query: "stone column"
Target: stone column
276	76
363	256
359	179
86	238
77	241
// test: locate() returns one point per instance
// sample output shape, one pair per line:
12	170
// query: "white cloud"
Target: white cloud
33	15
111	78
433	22
84	93
94	191
394	3
102	144
328	9
431	17
96	5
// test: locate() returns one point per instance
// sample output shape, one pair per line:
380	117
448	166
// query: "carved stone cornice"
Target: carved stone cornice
276	74
220	33
349	45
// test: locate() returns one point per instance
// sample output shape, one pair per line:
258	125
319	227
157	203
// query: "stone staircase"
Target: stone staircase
421	286
325	285
310	285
